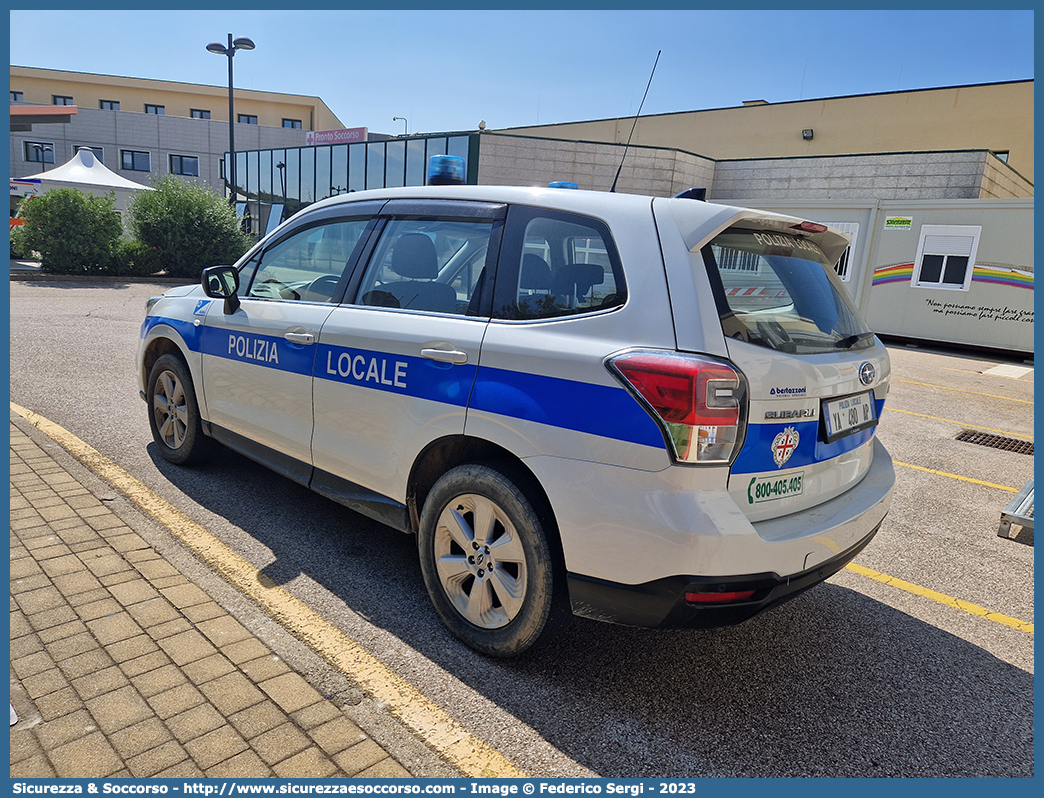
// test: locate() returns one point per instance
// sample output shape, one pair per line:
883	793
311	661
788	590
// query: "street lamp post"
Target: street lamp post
240	43
405	124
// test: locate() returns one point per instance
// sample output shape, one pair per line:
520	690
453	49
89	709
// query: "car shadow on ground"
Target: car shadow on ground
833	683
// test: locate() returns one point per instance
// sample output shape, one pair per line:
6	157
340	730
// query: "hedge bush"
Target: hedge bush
134	259
73	232
188	225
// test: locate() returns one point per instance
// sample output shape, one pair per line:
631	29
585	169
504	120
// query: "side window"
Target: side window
307	265
556	264
428	264
842	267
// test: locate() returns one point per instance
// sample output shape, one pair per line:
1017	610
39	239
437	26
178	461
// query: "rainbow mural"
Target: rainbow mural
903	273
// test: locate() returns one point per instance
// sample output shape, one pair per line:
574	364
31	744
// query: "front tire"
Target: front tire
486	562
177	427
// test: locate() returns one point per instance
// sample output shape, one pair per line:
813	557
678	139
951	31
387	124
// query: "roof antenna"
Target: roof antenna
635	124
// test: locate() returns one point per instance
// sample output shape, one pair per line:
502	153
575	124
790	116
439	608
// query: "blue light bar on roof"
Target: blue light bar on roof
562	184
446	170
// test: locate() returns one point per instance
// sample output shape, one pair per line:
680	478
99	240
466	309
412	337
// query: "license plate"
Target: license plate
849	414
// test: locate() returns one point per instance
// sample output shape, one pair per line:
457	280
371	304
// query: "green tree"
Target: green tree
188	225
74	233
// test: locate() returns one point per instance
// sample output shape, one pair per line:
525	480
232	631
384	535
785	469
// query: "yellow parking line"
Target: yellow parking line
422	716
961	423
942	598
961	390
956	476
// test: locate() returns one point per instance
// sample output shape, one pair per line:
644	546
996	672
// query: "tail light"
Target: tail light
700	402
718	598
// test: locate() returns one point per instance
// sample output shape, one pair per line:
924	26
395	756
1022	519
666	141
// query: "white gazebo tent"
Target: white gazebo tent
86	173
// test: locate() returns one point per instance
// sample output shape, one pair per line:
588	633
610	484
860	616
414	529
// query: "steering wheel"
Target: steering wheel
273	289
322	288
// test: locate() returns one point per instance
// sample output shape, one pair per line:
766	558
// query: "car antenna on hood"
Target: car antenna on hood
635	124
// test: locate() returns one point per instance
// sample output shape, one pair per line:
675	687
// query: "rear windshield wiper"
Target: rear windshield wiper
852	340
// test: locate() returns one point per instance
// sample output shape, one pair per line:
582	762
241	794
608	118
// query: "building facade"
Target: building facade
143	128
996	117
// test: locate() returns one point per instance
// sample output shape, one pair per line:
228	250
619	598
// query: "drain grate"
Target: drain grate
996	442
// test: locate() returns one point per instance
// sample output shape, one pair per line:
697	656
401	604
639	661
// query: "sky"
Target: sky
447	70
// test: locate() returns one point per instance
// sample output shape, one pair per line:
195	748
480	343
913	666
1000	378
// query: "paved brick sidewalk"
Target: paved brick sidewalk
122	667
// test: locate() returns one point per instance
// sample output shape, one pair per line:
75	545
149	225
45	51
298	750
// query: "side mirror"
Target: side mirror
222	282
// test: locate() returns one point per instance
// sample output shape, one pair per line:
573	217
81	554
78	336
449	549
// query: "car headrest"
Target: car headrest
413	256
578	277
535	273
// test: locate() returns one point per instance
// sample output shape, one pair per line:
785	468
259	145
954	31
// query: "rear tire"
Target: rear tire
487	564
177	427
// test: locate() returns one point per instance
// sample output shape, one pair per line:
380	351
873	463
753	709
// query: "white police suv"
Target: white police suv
657	412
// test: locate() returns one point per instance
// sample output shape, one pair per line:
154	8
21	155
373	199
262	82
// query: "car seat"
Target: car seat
574	281
413	257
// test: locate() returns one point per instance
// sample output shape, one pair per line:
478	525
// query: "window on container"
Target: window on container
109	105
98	152
157	110
246	119
199	113
17	97
946	256
187	165
295	124
843	265
136	160
58	99
38	151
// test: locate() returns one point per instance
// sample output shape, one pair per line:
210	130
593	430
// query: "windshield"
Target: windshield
779	291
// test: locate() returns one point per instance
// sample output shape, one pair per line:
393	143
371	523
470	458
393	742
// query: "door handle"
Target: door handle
299	338
454	356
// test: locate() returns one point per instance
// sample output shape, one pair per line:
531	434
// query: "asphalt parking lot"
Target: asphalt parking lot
942	531
920	664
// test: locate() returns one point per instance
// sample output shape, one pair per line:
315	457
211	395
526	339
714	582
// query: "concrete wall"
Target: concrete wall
901	176
161	136
524	161
995	116
1000	181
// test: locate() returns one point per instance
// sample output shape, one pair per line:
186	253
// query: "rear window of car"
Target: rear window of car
780	291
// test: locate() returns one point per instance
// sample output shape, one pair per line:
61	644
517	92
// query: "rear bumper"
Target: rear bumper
661	603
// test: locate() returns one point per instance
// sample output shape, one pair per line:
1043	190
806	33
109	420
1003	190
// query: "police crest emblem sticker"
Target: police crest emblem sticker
784	444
